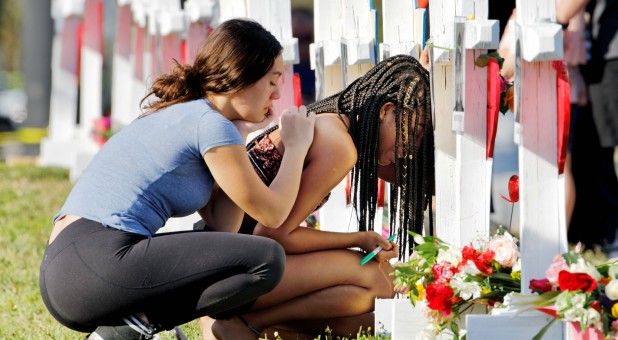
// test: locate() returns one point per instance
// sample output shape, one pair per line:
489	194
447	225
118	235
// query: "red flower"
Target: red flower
540	286
442	272
481	261
439	296
513	190
576	281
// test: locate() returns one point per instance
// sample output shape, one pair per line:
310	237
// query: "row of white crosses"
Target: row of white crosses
149	36
461	32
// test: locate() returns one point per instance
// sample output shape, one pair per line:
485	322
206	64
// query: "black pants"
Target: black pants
92	275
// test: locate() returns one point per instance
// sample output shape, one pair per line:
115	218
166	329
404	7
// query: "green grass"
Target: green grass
29	197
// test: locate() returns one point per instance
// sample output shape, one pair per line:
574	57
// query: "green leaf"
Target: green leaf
543	330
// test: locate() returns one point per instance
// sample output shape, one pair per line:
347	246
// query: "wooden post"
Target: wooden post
537	42
65	81
123	111
170	22
344	49
199	15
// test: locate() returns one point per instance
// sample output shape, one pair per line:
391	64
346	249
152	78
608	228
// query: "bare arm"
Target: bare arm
325	170
221	213
234	174
566	9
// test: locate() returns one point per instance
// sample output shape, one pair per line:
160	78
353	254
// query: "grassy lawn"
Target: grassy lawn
29	198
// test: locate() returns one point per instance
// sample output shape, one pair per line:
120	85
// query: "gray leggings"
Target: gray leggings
93	276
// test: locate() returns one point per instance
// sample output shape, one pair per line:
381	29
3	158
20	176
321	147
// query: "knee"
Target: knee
382	283
273	263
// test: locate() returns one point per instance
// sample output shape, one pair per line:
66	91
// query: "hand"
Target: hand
297	126
370	240
246	127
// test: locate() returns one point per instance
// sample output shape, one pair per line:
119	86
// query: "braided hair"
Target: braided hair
403	81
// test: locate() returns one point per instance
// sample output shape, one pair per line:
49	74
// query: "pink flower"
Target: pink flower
615	324
559	264
505	250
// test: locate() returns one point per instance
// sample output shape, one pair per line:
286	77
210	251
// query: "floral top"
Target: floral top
266	161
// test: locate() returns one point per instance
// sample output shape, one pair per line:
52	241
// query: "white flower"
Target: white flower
573	314
578	300
611	290
452	255
517	266
465	290
505	249
563	301
470	268
429	333
593	318
582	266
612	271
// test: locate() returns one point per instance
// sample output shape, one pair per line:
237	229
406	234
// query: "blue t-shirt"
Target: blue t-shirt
153	169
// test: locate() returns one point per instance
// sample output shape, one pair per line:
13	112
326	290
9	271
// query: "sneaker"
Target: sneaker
118	333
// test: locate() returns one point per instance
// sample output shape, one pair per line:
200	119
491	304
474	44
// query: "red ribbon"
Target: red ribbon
563	99
298	99
493	104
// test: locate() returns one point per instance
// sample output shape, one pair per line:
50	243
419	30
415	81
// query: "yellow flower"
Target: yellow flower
516	275
421	292
615	310
485	290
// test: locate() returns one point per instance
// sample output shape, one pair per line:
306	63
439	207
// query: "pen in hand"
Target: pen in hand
375	252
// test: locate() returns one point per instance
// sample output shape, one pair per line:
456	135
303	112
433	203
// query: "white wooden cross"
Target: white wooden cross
344	49
199	15
460	33
71	145
123	109
537	42
65	79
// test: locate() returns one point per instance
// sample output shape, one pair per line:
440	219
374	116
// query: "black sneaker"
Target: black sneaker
124	332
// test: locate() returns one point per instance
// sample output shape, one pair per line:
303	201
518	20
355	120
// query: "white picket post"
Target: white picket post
171	26
65	82
402	29
344	49
76	149
537	41
123	111
199	15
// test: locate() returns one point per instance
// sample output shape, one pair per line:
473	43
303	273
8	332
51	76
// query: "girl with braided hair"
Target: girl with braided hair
378	127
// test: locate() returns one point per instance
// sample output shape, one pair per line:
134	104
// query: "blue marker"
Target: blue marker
375	252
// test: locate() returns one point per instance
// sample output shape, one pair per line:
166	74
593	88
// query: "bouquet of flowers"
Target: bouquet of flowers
578	292
451	280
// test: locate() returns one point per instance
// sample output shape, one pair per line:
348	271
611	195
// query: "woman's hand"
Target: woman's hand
370	240
246	127
296	126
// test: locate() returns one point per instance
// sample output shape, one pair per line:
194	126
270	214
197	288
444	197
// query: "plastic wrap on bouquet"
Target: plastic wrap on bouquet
589	333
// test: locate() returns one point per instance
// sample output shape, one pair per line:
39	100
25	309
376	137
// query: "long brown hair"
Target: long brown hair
238	53
403	81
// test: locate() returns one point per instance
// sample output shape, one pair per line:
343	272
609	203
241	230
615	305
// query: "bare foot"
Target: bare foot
232	329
